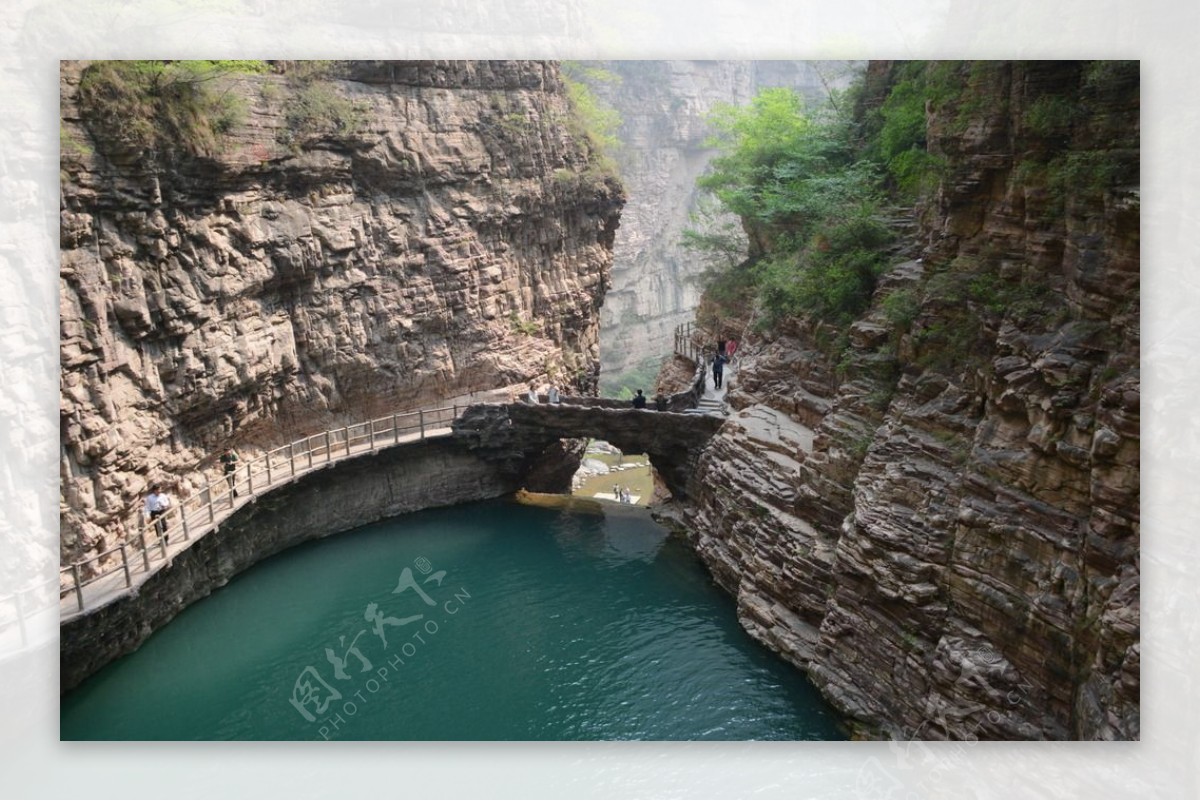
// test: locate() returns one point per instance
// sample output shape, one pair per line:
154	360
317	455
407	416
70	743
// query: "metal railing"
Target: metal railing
691	341
205	510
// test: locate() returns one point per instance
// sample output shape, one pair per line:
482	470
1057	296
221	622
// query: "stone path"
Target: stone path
713	399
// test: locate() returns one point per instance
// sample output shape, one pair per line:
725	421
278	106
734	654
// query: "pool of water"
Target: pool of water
487	621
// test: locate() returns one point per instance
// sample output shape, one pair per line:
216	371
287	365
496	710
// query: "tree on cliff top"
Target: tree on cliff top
810	203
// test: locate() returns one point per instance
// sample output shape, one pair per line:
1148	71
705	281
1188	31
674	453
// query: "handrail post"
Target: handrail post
145	551
347	429
78	586
328	447
292	457
308	447
371	433
421	420
183	521
270	478
249	483
162	540
395	430
125	564
212	515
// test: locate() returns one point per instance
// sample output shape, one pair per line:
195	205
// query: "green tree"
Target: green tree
794	175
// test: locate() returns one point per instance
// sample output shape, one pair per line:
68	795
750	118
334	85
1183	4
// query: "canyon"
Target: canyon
664	147
939	524
378	238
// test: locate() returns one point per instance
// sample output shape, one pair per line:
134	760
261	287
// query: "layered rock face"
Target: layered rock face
954	552
663	107
455	239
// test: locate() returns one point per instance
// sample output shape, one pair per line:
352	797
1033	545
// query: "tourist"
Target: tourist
730	349
157	504
229	465
552	395
660	402
625	496
639	400
721	347
616	493
718	368
531	396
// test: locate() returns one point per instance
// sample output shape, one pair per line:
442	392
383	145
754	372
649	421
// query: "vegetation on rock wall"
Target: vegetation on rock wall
946	268
818	189
592	120
811	201
163	106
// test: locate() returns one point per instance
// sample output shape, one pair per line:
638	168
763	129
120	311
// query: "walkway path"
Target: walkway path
97	580
129	564
713	399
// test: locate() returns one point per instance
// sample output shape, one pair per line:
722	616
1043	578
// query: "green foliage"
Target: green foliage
525	327
308	70
834	278
70	145
164	106
780	165
316	108
901	144
714	236
515	124
641	376
1050	115
1086	172
796	173
592	120
900	308
1110	75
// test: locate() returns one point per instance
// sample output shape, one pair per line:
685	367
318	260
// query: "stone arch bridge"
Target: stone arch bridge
523	440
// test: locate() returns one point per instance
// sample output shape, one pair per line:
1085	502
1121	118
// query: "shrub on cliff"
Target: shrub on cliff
315	108
163	106
592	120
795	178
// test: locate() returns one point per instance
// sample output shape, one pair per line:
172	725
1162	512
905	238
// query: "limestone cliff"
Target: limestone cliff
942	525
384	235
663	107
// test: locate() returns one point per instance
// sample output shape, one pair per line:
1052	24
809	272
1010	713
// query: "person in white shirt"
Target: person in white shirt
157	504
553	394
531	396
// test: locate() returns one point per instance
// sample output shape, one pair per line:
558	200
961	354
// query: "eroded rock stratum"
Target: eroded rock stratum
455	239
955	555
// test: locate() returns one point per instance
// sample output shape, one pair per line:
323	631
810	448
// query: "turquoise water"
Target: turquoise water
501	621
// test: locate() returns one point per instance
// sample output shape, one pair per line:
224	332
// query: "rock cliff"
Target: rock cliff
663	107
366	237
942	525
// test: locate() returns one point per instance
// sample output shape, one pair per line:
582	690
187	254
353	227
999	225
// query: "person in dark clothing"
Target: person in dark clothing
718	368
639	400
660	402
229	465
721	347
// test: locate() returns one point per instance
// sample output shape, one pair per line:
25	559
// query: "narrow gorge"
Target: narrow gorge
932	506
924	493
368	237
